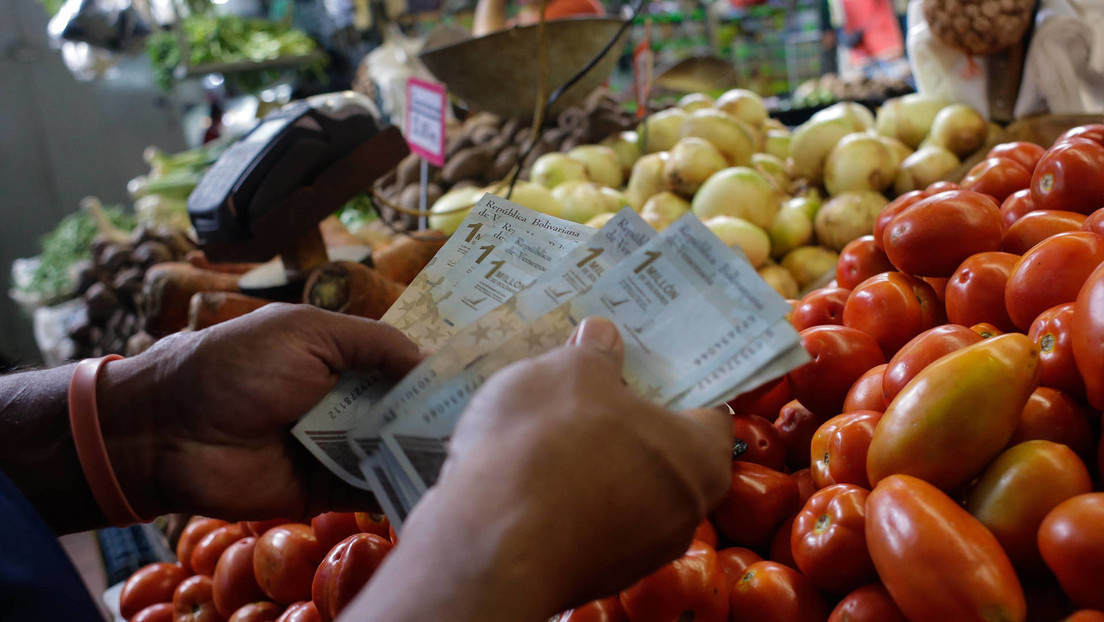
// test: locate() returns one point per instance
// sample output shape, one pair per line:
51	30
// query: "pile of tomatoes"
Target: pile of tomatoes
935	461
937	458
261	571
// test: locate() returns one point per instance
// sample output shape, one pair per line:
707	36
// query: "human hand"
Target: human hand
562	485
200	422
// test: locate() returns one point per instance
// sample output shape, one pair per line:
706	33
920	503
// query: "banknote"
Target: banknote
575	274
324	430
676	330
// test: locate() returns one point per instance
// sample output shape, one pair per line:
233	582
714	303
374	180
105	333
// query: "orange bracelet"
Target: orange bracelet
84	420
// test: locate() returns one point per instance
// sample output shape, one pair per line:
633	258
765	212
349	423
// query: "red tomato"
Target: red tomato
1019	488
259	527
892	307
192	601
706	533
1072	544
303	611
941	186
975	292
896	206
867	392
839	449
758	441
1051	415
796	426
1092	131
765	400
1085	615
1088	336
692	588
986	330
1023	153
757	502
780	550
938	285
829	539
1034	227
735	560
997	177
805	485
932	237
928	552
197	528
161	612
285	561
860	260
149	585
820	307
1068	177
771	592
841	355
1094	222
1051	332
233	583
607	609
333	527
1051	273
370	522
345	570
869	603
1016	206
257	612
207	552
924	349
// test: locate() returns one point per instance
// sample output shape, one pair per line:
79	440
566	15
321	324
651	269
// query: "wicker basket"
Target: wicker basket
978	27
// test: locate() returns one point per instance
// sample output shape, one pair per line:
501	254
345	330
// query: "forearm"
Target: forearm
37	452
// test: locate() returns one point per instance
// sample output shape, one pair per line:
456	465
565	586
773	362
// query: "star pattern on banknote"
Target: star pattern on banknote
533	339
408	304
652	393
481	333
434	334
504	326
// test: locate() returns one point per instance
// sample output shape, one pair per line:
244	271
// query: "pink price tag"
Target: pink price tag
425	120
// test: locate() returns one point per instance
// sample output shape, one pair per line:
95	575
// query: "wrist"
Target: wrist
128	413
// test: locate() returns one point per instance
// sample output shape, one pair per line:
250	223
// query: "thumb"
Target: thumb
600	334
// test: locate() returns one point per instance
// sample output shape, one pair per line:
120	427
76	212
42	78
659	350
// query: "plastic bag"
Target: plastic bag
91	35
1063	69
114	25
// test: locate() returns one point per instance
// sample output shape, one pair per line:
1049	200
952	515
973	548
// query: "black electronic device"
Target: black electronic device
267	193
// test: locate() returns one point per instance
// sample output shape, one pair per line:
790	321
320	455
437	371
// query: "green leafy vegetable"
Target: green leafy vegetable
357	212
230	39
69	243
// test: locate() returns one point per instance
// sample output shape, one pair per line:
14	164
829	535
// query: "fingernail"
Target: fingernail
597	331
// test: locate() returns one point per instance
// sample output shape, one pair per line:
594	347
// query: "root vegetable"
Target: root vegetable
209	308
406	257
168	289
351	288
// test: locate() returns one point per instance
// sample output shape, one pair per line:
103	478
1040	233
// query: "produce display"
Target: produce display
484	149
941	456
790	201
831	88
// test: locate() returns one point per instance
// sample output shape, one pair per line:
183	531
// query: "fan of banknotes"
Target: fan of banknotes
699	326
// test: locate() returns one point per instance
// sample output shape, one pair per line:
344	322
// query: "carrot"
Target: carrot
210	308
168	289
352	288
335	233
405	258
199	259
